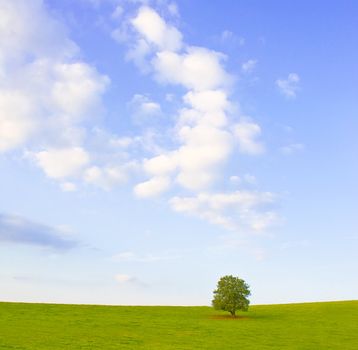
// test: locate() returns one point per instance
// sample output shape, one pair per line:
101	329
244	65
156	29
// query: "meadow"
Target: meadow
311	326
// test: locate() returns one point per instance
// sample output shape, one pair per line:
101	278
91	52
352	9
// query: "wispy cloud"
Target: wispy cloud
18	230
239	211
290	86
124	279
229	38
292	148
249	66
144	109
144	258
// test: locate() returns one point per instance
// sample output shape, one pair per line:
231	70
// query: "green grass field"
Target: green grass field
312	326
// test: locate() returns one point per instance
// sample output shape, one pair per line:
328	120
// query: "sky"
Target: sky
148	148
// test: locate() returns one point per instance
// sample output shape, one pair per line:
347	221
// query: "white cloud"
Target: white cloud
108	176
204	144
292	148
173	9
26	27
143	107
228	37
62	163
77	88
249	66
261	221
249	178
241	41
163	164
68	187
118	12
203	129
121	142
246	178
122	278
153	187
204	149
246	134
198	68
17	123
203	137
235	179
208	106
49	97
195	163
236	211
289	87
45	90
146	258
156	31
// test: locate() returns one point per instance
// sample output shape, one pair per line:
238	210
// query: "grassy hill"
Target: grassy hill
310	326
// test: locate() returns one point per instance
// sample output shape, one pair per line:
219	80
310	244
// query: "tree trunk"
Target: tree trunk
233	313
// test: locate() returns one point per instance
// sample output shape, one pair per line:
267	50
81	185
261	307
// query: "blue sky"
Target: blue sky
149	147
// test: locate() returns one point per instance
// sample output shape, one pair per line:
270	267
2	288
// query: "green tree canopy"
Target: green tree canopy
231	295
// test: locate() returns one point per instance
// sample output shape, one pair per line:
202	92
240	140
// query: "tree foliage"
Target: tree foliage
231	295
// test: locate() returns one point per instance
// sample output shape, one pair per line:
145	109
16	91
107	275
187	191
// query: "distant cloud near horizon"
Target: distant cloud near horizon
18	230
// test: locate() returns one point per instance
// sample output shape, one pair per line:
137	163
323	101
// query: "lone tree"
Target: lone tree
231	295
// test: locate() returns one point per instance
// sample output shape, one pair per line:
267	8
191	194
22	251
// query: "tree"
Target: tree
231	295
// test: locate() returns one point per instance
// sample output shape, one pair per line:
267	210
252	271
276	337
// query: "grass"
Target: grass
311	326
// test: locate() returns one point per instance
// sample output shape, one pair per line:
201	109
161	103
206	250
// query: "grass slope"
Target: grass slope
312	326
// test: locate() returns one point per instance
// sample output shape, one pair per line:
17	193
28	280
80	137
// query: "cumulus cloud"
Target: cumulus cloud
18	230
247	133
16	121
156	31
204	149
198	68
202	131
160	165
26	27
55	97
204	135
76	89
153	187
62	163
146	33
48	95
290	86
204	143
